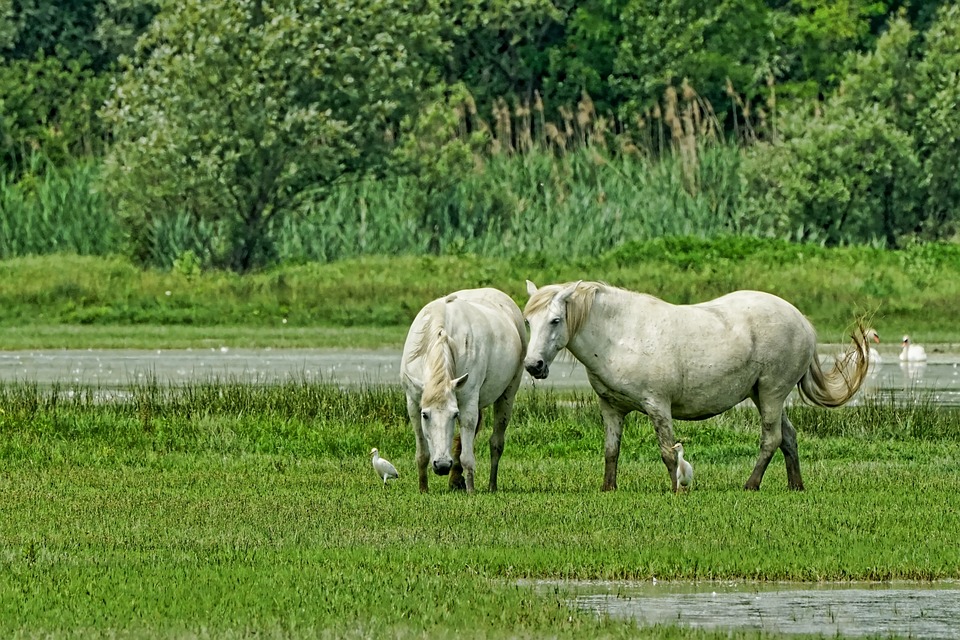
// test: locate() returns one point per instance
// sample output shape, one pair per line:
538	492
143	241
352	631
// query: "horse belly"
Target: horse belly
712	395
500	374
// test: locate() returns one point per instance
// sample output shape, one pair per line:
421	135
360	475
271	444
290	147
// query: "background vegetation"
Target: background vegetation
242	134
370	301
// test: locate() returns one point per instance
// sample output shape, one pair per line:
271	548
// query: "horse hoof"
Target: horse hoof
458	484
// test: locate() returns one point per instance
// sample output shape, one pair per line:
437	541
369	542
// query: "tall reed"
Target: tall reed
51	210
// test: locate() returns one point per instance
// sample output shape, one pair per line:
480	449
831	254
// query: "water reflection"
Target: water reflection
900	609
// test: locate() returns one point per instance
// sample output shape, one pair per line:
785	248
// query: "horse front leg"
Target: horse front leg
469	424
423	450
457	482
502	410
613	426
663	426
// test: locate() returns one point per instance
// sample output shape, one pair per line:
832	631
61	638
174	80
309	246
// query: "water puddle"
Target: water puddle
917	610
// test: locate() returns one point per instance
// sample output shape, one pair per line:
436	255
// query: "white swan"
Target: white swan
684	469
874	356
912	352
383	467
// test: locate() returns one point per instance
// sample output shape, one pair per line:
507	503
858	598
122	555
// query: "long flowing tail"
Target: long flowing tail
837	386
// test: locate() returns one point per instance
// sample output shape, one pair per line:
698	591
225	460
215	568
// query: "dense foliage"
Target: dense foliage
244	133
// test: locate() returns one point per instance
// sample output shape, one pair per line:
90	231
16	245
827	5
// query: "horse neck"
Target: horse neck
440	364
595	332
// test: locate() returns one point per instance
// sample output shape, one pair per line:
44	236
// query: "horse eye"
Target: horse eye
555	320
425	415
456	416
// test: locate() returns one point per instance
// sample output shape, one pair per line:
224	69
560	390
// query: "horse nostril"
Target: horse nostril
441	468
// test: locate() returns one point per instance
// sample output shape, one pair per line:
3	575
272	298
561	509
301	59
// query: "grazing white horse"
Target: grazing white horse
689	362
463	353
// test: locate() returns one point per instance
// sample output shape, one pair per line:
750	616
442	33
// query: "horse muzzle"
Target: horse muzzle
537	368
442	467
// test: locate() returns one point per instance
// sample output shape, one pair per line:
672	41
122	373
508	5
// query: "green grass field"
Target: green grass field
83	302
232	511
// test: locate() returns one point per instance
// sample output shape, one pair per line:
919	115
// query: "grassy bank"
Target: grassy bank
370	302
235	510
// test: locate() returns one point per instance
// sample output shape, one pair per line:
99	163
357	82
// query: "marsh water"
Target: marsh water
902	609
937	380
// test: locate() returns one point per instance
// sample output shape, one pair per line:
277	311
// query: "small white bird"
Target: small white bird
912	352
383	467
684	469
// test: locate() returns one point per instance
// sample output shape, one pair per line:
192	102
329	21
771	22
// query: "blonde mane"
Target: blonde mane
433	345
578	305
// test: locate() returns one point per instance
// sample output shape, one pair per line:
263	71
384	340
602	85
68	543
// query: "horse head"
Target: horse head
546	316
439	412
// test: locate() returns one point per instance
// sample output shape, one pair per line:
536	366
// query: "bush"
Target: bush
848	177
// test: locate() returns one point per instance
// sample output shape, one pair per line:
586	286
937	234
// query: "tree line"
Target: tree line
205	128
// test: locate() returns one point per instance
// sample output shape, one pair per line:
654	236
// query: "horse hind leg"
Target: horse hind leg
791	455
502	410
457	482
663	425
771	437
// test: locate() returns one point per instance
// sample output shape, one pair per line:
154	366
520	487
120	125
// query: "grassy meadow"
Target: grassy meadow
223	510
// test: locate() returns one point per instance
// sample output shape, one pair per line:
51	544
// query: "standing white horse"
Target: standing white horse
689	362
463	353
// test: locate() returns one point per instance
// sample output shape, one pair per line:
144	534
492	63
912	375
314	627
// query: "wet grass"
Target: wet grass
231	510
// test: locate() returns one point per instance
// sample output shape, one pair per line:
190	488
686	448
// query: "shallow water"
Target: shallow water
938	380
919	610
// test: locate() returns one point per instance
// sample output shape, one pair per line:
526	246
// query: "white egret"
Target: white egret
684	469
912	352
383	467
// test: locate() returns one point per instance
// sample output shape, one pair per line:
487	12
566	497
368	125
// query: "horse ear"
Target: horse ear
569	291
531	288
459	382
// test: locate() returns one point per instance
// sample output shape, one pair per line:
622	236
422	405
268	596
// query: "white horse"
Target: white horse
463	353
689	362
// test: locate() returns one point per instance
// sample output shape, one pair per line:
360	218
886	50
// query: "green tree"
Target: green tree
499	48
813	39
97	31
850	174
56	61
938	123
583	60
665	42
231	110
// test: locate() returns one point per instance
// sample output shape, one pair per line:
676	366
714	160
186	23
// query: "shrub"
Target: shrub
848	177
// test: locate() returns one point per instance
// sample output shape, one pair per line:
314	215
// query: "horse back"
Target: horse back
700	358
486	333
